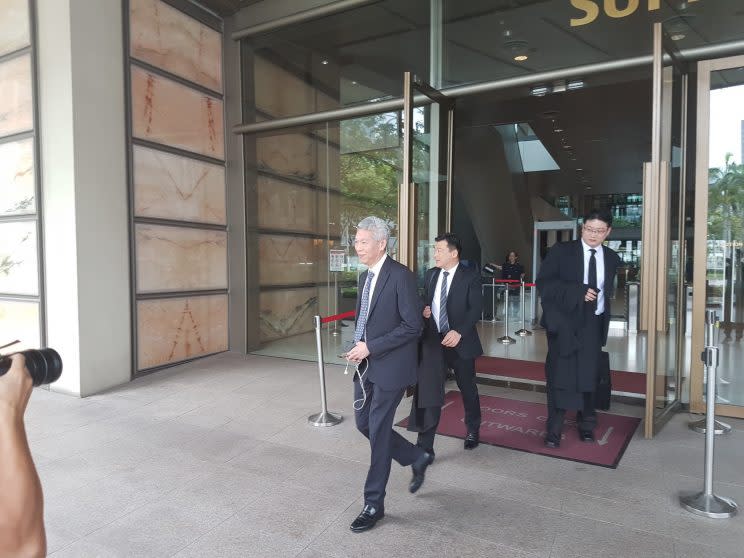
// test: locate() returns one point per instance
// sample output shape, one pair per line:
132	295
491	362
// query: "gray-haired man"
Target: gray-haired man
388	327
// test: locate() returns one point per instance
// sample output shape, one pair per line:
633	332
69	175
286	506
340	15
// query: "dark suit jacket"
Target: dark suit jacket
562	289
464	306
394	324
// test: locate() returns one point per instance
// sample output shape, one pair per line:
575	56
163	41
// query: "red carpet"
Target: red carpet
521	425
627	382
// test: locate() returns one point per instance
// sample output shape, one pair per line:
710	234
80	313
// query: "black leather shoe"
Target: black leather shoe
552	441
419	471
367	519
586	435
472	440
429	451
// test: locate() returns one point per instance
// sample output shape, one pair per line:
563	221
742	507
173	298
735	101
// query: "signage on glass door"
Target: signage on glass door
612	8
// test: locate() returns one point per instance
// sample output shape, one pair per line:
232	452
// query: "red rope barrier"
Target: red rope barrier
349	314
530	284
506	281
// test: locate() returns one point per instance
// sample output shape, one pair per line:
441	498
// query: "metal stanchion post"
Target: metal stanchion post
324	417
706	503
700	426
533	308
494	319
506	340
522	332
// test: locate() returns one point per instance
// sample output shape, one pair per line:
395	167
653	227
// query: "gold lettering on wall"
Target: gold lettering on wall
612	10
591	9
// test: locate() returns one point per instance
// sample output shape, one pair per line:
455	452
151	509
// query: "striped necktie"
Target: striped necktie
443	321
363	309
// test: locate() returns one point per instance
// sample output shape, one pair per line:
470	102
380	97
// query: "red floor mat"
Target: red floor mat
520	425
628	382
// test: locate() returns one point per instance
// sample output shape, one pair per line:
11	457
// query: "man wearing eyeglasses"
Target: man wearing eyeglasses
575	284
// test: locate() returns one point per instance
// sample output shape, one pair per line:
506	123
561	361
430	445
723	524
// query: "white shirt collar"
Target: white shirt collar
587	247
378	266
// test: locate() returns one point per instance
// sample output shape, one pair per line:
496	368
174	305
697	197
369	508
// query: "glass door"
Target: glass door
662	280
719	230
424	206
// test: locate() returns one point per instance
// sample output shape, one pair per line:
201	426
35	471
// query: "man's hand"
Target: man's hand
591	295
15	387
358	353
451	339
427	311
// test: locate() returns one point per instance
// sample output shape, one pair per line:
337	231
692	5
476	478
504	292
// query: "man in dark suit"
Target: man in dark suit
453	302
576	284
386	352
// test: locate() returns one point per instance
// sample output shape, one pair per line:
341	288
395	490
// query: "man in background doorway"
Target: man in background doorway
575	284
454	302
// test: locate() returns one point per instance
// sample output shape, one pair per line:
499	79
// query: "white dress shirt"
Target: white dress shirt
376	270
438	291
600	274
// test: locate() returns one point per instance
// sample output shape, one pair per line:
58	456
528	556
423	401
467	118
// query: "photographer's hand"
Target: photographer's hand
22	531
15	389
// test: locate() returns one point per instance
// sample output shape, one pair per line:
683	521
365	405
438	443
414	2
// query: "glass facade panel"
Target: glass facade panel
725	254
14	28
19	272
17	181
350	57
16	103
19	320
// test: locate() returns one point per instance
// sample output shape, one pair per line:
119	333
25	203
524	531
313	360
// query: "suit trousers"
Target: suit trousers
465	377
375	421
426	438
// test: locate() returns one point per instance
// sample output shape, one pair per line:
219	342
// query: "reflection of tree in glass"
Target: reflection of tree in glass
22	206
726	201
6	264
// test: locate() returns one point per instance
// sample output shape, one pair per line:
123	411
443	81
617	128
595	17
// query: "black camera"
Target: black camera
44	365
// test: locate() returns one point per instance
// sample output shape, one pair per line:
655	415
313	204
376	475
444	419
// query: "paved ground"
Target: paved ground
215	458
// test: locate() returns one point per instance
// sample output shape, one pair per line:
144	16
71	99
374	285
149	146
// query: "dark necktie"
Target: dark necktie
593	269
363	309
443	321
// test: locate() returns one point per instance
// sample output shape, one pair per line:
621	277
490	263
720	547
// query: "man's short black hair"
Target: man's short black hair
452	242
599	214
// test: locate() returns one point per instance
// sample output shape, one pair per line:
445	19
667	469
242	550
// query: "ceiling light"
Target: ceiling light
579	170
677	36
588	187
324	62
575	84
539	90
558	129
521	57
566	146
353	83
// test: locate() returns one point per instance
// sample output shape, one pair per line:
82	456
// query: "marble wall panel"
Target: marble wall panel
174	187
287	260
16	101
14	27
288	155
19	320
176	258
19	266
176	329
167	112
287	206
287	312
169	39
17	191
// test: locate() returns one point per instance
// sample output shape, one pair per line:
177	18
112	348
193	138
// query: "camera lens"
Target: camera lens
43	365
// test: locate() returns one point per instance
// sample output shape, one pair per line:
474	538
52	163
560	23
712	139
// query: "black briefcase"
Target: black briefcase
604	383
